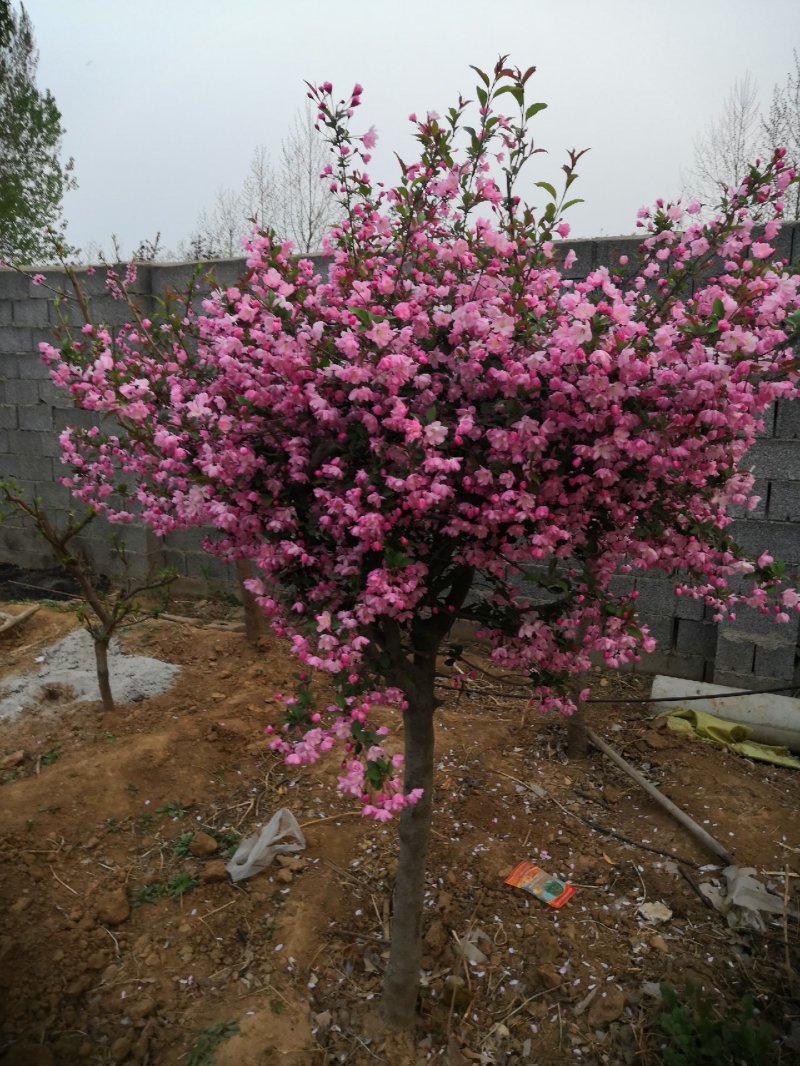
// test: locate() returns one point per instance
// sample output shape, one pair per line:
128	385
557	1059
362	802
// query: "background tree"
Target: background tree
258	194
305	209
33	180
222	229
105	609
290	198
725	150
741	133
781	126
444	408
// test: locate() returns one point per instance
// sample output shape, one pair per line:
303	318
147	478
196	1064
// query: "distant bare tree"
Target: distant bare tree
148	250
729	145
259	192
306	207
290	198
781	127
220	229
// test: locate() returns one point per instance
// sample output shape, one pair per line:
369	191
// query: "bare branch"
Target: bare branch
724	152
306	210
781	127
290	199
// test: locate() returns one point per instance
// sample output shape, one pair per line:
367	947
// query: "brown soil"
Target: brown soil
104	960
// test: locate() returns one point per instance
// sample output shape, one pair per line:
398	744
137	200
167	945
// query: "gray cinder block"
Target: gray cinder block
787	420
34	468
37	417
737	655
21	393
781	539
696	638
30	313
774	459
784	501
8	416
732	679
25	441
15	339
9	367
776	661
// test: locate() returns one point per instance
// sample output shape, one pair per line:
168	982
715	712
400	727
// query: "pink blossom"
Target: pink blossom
442	406
380	334
436	433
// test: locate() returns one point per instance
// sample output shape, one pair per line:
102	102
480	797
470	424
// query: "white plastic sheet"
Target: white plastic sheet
280	836
745	899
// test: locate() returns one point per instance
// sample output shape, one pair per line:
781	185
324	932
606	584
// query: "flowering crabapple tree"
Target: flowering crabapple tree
444	409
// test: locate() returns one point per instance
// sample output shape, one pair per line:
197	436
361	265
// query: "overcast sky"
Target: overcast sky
164	101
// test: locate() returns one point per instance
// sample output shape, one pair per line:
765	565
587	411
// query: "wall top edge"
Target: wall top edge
318	255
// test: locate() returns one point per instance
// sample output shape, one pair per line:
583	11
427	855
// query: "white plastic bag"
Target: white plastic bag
280	836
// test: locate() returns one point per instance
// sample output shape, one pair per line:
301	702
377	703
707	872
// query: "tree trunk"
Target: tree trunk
103	678
401	983
577	737
253	615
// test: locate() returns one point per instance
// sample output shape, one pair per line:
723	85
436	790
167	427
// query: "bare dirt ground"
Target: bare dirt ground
122	940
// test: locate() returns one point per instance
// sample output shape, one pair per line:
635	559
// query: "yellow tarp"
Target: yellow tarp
732	735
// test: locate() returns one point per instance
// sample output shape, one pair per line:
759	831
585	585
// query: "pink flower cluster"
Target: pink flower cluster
447	403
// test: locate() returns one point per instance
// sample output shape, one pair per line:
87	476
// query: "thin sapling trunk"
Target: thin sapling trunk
401	982
110	612
577	737
253	615
103	676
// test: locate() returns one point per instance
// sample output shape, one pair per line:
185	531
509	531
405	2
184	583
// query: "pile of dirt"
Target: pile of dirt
124	941
68	668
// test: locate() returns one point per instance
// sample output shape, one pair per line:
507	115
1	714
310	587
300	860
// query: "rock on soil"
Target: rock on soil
214	871
202	845
113	907
606	1007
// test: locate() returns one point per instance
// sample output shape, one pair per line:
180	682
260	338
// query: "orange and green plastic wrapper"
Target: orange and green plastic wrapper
541	884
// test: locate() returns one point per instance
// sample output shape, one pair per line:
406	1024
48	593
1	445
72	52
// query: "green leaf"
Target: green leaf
396	559
516	91
362	314
484	77
483	96
571	203
718	310
547	188
534	109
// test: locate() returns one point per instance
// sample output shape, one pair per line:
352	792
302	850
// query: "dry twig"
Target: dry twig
64	883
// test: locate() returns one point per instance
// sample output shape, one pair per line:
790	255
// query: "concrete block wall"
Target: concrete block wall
33	412
751	651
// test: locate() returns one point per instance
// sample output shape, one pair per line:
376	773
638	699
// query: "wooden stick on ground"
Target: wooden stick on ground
688	823
11	620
